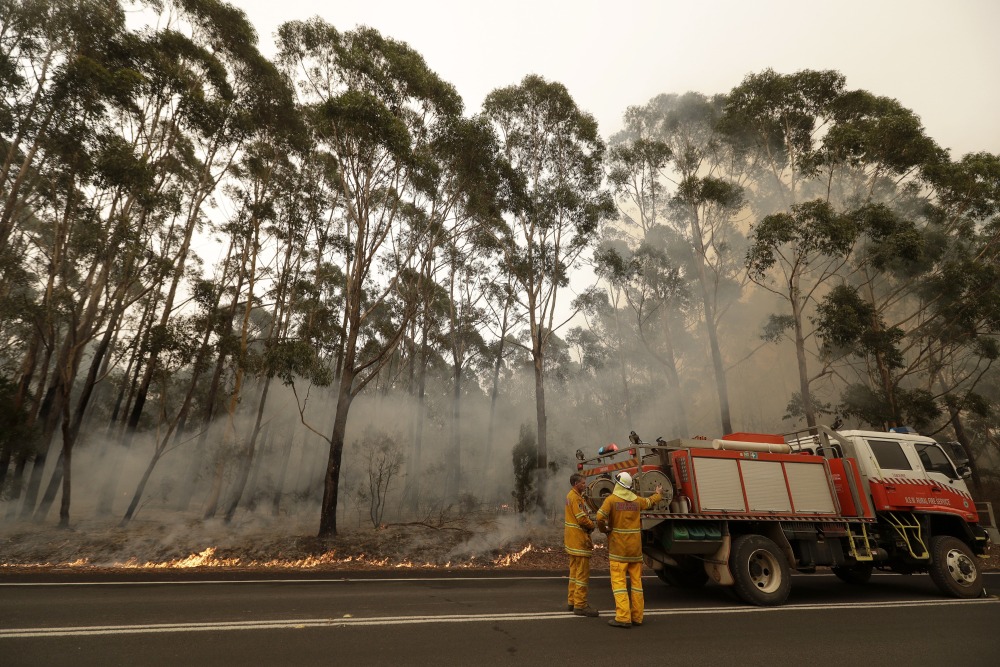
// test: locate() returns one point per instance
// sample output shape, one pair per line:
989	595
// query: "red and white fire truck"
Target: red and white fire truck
745	509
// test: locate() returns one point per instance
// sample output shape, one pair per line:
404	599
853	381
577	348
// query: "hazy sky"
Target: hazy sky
941	59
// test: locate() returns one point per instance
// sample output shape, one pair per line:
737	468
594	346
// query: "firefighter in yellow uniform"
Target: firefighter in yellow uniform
576	540
619	519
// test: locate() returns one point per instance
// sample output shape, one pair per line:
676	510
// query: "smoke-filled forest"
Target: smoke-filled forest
317	290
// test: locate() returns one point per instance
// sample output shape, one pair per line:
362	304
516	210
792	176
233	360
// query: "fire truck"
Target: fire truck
746	509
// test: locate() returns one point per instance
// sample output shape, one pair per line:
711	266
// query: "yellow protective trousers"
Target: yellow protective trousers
579	580
624	576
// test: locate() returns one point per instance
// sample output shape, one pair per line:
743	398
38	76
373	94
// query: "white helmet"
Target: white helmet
624	479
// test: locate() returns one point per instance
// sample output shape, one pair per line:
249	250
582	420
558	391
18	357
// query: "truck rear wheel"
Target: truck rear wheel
954	569
854	574
760	571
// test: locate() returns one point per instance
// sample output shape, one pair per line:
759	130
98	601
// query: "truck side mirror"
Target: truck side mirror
965	472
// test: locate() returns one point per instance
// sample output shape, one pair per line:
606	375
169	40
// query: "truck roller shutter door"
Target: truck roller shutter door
766	490
810	488
719	486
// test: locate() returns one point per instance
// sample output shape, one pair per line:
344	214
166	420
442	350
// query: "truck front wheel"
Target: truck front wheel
954	569
760	571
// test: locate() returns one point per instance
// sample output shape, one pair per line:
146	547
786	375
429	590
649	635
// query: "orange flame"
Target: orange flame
510	559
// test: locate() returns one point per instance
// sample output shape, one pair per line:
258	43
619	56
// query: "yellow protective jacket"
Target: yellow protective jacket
620	514
576	533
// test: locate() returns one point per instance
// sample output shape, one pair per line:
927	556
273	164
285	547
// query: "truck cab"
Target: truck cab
906	471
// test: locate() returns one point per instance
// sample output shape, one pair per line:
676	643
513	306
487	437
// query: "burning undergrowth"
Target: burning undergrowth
471	542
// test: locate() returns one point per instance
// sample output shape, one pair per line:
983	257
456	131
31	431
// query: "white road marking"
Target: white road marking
83	631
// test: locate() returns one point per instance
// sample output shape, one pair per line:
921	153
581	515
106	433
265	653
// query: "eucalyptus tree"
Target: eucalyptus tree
781	120
777	121
503	316
557	151
206	89
474	187
41	44
39	48
374	107
90	188
872	160
805	247
463	202
874	164
882	217
219	88
633	172
264	176
424	341
964	293
920	308
637	160
672	168
649	284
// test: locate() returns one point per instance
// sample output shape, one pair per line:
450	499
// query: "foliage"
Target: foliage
917	407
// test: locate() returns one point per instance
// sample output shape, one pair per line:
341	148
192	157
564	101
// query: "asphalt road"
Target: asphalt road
429	619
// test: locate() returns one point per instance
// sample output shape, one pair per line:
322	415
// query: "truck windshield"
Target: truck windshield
935	460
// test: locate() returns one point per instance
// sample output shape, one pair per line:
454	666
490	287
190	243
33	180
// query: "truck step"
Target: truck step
908	528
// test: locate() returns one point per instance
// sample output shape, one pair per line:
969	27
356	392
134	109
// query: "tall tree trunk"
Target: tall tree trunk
27	371
50	414
711	327
668	361
109	490
331	485
215	492
74	421
495	386
210	406
208	415
800	357
539	366
247	458
623	371
455	478
203	188
413	478
250	252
